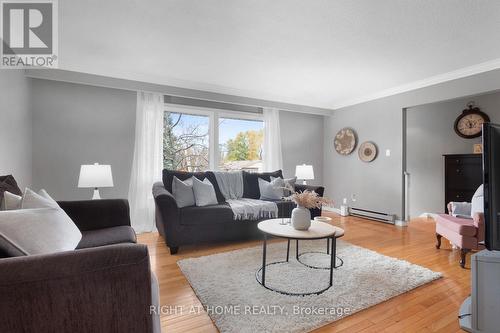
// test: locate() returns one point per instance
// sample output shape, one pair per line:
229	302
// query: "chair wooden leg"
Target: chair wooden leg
463	254
438	241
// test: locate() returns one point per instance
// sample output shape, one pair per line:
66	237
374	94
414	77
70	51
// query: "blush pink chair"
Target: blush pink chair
467	234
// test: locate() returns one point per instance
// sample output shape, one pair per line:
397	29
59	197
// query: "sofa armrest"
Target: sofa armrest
167	214
97	214
478	219
103	289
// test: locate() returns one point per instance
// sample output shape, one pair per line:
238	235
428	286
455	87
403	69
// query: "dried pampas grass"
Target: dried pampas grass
309	199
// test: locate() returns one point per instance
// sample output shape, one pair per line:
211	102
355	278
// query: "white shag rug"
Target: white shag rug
226	285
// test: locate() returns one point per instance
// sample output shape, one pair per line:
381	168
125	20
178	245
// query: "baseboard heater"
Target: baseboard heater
373	215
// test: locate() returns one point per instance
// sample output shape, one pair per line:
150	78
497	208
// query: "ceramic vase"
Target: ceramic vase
301	218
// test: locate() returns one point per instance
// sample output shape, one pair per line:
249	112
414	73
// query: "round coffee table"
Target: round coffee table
318	230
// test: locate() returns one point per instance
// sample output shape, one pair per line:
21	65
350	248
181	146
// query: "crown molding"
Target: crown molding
430	81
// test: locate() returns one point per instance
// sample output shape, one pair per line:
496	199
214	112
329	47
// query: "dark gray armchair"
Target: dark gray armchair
106	286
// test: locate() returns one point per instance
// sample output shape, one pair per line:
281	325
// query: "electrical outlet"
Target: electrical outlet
387	152
353	197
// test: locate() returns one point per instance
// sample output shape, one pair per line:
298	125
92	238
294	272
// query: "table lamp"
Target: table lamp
95	176
304	172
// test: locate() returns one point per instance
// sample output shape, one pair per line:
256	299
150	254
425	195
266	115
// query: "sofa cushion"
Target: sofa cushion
168	177
8	183
458	225
251	182
107	236
272	190
207	215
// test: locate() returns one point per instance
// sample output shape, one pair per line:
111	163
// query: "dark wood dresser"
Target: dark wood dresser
463	173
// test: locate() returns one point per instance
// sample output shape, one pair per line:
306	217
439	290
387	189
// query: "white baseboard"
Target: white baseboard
429	215
401	223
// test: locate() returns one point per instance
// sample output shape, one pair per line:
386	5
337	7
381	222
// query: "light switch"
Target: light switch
387	152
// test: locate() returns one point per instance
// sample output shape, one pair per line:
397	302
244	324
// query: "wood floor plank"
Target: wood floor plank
429	308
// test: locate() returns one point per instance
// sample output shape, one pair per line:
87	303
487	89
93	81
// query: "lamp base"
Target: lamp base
96	195
304	182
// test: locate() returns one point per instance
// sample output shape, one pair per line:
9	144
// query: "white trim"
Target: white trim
453	75
401	223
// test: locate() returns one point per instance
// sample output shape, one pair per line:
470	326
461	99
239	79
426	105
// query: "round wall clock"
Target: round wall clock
367	151
345	141
469	124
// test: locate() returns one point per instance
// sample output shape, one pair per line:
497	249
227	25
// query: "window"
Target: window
198	139
186	142
240	144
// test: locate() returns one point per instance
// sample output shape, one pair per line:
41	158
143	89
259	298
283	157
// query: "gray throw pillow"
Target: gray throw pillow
183	192
204	192
39	227
289	185
271	190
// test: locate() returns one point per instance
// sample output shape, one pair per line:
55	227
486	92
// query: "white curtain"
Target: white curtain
273	159
148	160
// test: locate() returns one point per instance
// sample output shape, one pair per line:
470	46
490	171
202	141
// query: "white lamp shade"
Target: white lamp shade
304	172
95	175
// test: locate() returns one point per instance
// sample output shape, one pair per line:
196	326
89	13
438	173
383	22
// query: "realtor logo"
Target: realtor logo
28	31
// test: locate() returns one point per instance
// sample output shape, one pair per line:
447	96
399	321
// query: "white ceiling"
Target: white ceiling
323	53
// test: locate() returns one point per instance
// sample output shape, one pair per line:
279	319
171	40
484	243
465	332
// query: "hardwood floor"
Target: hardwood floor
430	308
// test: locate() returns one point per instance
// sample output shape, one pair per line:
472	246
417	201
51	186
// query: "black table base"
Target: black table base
331	250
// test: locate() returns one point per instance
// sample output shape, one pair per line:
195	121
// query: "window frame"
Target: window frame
213	125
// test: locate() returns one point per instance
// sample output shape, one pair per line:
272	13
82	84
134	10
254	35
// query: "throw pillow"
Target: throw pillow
11	201
8	183
183	192
271	190
34	200
251	182
477	202
37	231
289	185
204	192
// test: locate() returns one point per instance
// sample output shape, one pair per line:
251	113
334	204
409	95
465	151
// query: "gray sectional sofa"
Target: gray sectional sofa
193	225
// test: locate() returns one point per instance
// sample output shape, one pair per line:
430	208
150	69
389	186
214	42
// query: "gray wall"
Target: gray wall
302	143
75	124
15	126
430	134
78	124
379	185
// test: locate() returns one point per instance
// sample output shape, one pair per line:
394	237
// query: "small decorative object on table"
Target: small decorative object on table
301	216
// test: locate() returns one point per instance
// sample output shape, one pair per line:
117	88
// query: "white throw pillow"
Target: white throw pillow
37	231
183	192
32	200
39	227
271	190
204	192
11	201
477	203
